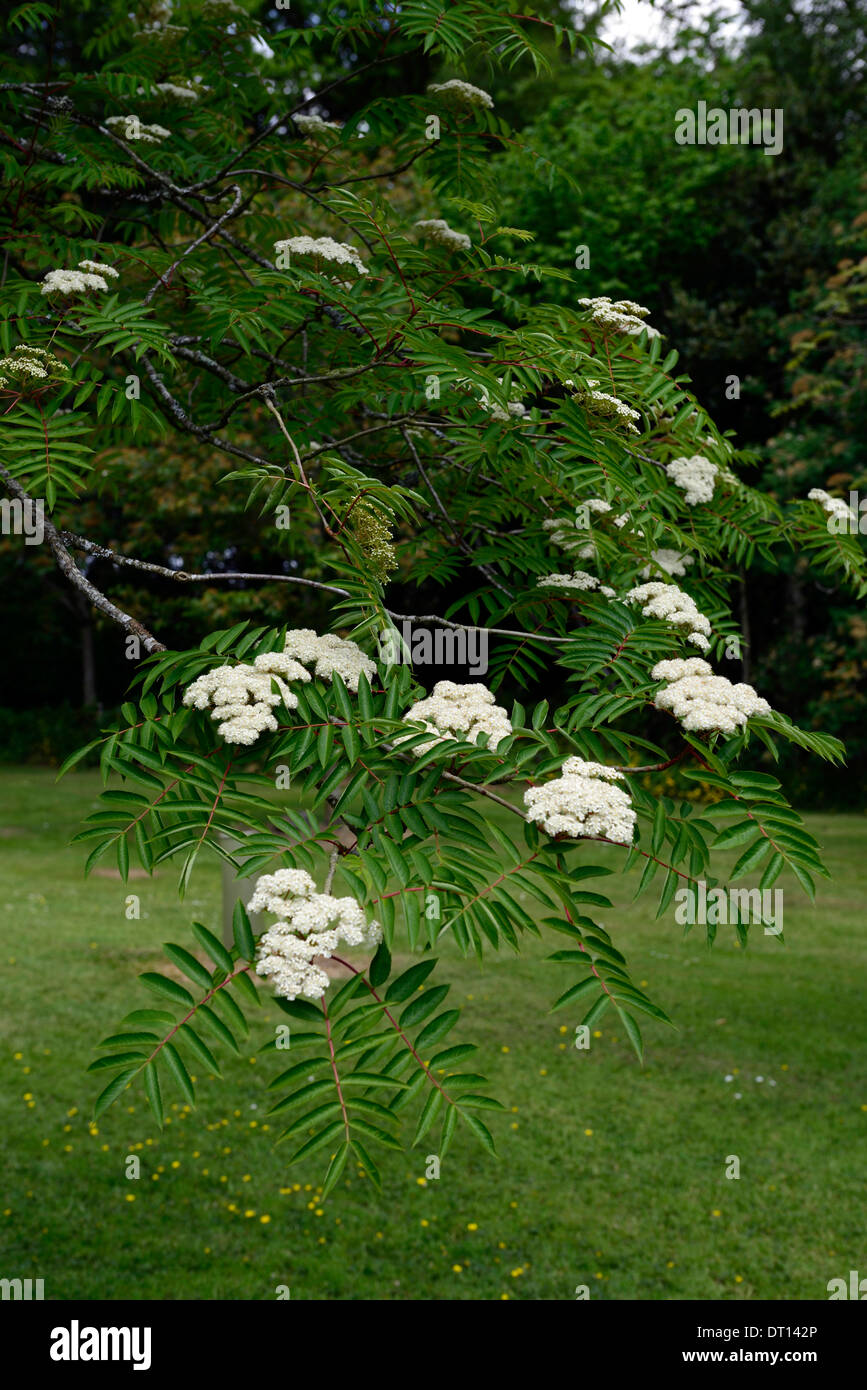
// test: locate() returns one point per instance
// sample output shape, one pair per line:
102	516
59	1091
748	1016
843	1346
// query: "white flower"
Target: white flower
31	363
458	711
601	403
672	605
323	249
136	129
311	925
576	583
241	698
329	654
622	316
834	506
315	125
98	268
462	93
515	408
677	667
71	282
695	476
669	561
702	701
183	93
435	229
570	537
279	664
170	89
625	519
582	802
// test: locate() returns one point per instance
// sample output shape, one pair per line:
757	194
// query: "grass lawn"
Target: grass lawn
609	1175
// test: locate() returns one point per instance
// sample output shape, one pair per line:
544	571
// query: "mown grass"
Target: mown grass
609	1175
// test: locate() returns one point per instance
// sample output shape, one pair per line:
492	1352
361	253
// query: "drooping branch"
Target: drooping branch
70	570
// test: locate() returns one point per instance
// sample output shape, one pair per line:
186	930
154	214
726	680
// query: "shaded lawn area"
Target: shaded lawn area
609	1175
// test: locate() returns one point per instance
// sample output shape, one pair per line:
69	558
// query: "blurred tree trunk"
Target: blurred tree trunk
744	616
89	696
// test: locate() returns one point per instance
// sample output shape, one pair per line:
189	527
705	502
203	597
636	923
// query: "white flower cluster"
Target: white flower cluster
459	711
242	697
496	412
323	248
171	89
576	582
89	276
462	93
136	129
669	561
569	537
31	364
99	268
515	408
435	229
702	701
672	605
310	924
328	654
601	403
315	125
622	316
833	506
582	802
625	519
695	476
